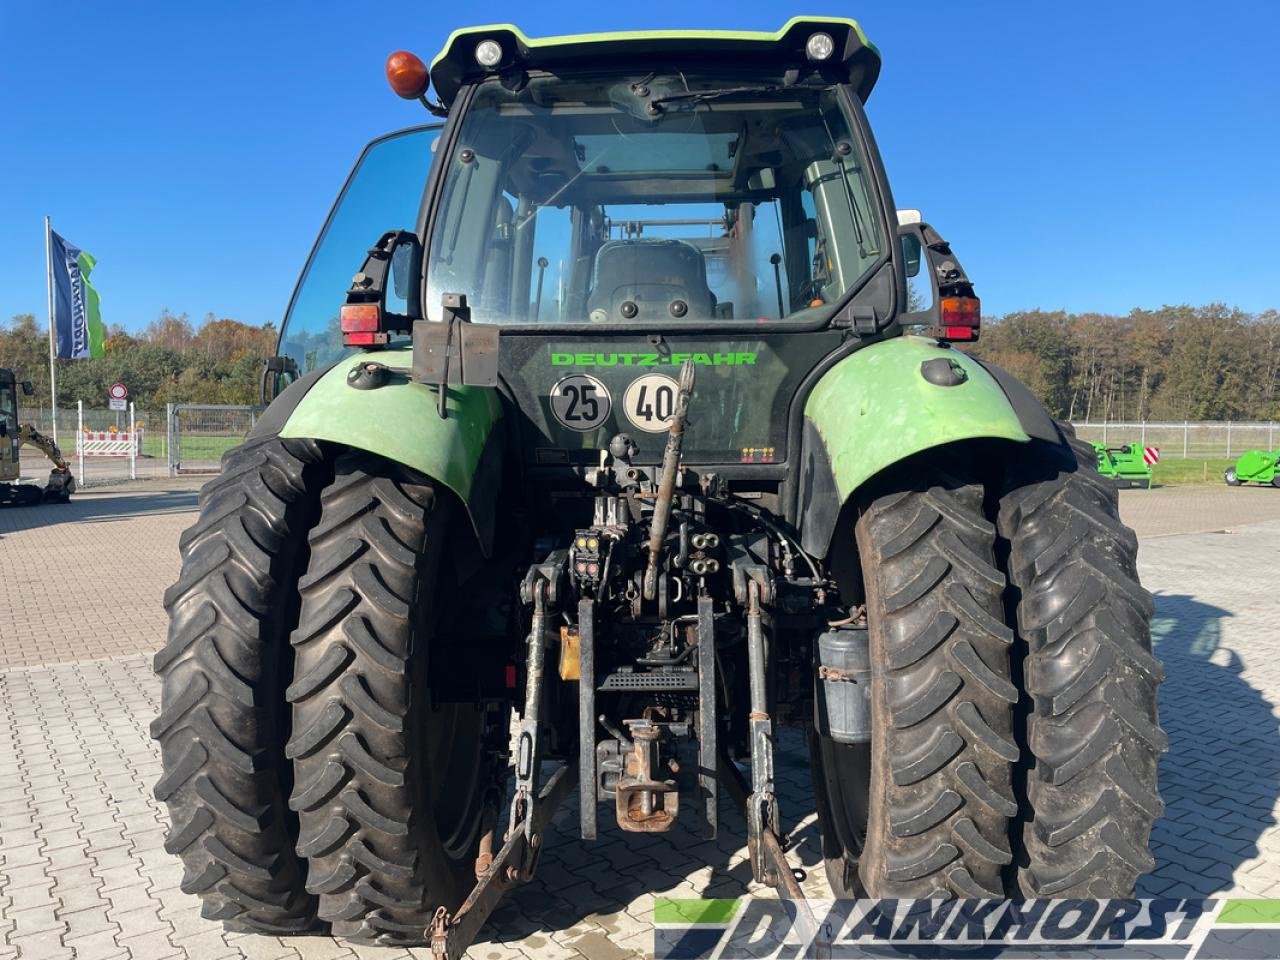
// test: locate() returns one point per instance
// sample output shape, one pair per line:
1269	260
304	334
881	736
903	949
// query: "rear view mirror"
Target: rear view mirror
911	253
402	264
27	389
277	373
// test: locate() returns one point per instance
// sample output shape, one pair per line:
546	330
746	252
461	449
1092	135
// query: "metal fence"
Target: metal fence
182	439
1221	439
200	433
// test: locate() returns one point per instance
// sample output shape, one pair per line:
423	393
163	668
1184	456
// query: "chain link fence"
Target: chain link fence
182	439
200	433
1204	440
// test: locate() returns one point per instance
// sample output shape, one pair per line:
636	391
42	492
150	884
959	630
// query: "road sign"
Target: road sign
117	391
120	404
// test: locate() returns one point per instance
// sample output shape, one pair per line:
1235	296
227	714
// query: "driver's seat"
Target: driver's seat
649	280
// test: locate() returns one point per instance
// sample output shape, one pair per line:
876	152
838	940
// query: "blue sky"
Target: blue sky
1090	156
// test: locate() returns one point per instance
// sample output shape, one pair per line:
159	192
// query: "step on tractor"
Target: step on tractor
620	451
1129	463
1254	466
13	437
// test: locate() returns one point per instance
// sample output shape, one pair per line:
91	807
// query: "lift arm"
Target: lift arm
32	437
61	482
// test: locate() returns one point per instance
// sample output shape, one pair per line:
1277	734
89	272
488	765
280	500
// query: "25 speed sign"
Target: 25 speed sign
581	402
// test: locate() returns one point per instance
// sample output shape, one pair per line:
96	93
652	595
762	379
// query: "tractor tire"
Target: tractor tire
223	718
937	778
1091	733
1275	480
1231	478
387	784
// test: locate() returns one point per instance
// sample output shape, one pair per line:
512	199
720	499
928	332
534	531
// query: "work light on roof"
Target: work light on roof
488	53
819	46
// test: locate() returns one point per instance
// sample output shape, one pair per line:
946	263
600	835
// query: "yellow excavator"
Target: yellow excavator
12	437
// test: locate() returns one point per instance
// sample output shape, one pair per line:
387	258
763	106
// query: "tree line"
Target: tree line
172	360
1176	363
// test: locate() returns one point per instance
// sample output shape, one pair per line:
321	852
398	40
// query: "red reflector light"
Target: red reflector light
961	318
407	75
360	318
961	311
511	676
363	339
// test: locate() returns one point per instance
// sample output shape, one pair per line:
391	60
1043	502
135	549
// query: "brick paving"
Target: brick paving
1197	508
83	580
83	873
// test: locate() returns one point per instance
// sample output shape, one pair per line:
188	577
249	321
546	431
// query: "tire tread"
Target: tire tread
222	719
1092	724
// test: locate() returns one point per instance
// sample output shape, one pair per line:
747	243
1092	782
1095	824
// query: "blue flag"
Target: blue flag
77	320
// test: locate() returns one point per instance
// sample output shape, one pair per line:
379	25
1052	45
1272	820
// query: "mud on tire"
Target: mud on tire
224	668
1091	722
386	806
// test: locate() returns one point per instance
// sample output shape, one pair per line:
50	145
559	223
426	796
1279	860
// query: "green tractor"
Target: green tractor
1254	466
620	451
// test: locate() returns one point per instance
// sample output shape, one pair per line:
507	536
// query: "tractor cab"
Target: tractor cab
614	207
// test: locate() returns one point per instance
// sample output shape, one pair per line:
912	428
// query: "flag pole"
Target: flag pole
53	375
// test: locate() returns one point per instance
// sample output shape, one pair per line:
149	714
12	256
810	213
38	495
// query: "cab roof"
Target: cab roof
856	60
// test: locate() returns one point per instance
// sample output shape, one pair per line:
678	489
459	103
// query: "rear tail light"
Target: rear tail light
362	325
961	319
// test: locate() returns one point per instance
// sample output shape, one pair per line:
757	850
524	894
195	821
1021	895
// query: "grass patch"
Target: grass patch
1175	471
194	447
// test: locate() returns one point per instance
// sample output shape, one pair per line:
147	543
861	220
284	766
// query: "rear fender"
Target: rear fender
399	421
876	407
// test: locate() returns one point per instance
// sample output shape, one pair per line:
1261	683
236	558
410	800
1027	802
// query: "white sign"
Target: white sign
581	402
117	391
650	402
120	404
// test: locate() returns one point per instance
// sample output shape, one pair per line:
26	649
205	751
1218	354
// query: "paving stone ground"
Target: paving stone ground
83	873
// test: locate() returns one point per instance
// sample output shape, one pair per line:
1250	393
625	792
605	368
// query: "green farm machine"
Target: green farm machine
1254	466
1130	463
622	450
